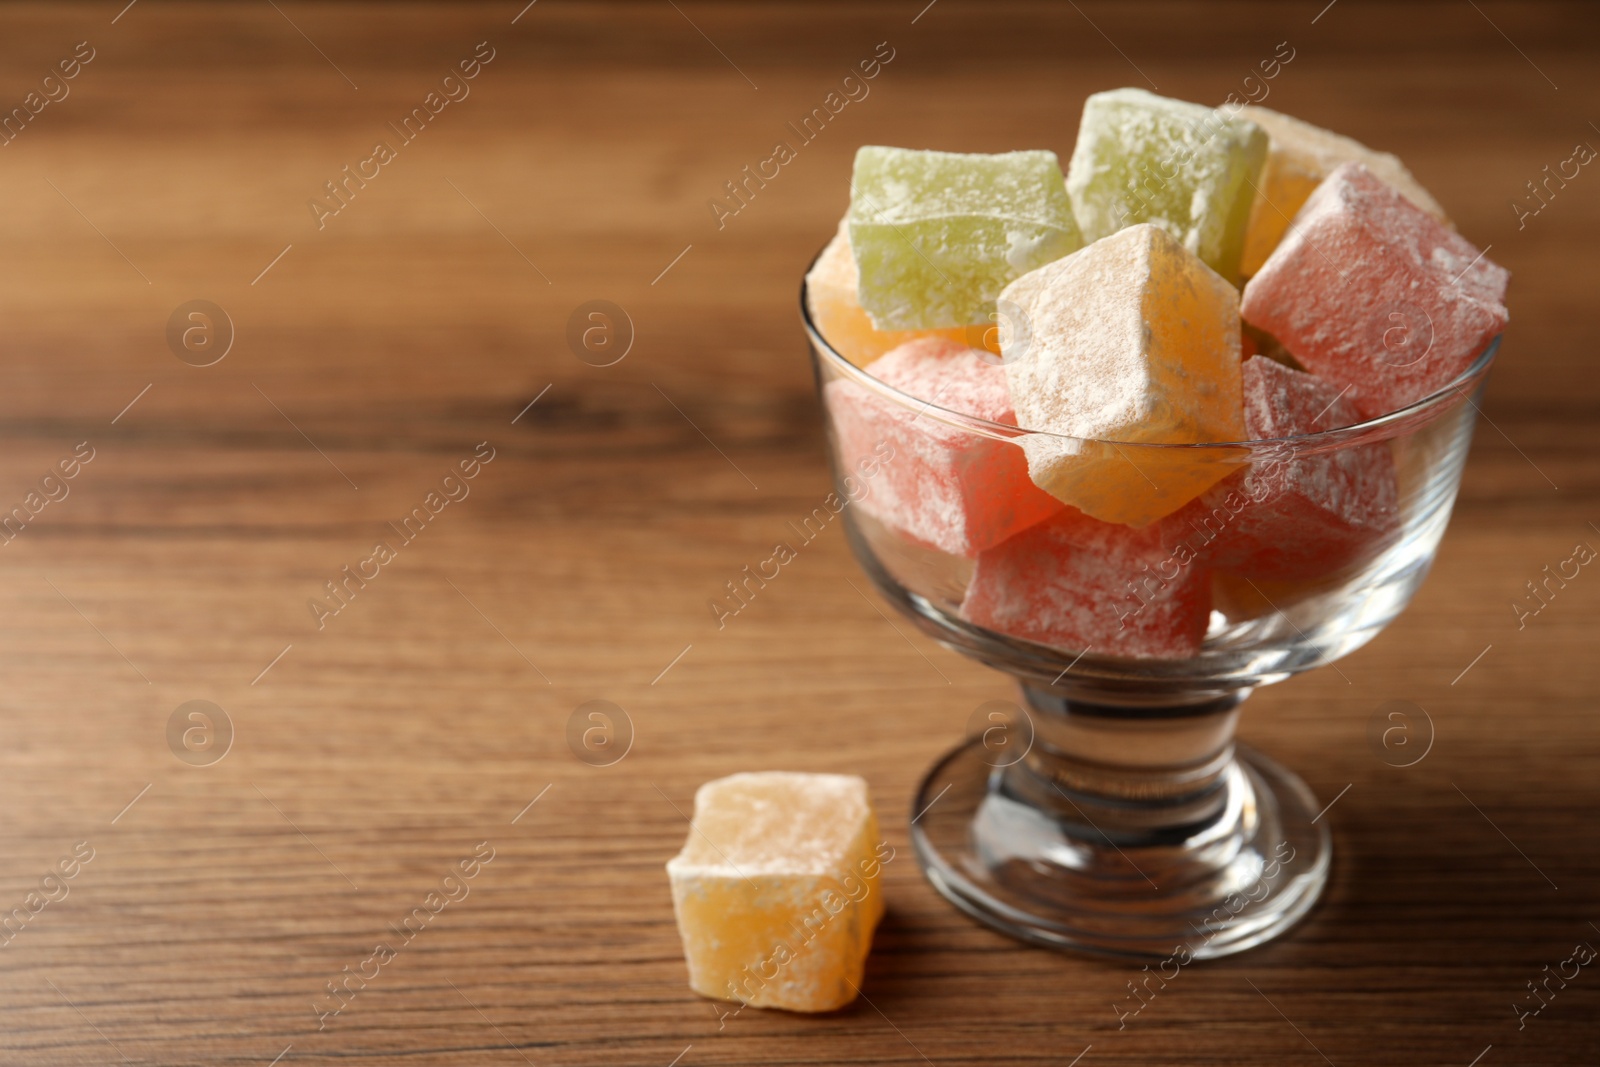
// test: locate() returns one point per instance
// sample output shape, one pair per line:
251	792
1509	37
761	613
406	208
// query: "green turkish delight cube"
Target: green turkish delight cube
1189	169
937	235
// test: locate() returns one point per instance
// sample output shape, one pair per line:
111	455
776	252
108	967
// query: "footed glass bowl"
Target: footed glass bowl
1110	810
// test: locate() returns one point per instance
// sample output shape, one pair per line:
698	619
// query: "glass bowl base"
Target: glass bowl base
1048	873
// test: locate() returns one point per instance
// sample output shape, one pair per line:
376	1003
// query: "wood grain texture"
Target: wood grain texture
379	750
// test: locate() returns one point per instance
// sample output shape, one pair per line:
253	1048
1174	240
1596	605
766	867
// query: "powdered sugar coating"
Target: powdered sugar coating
950	375
1371	292
775	822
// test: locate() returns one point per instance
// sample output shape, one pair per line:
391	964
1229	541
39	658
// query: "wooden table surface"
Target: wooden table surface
375	352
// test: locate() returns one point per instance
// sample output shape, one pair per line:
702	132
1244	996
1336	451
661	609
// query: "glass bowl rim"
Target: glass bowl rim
1338	436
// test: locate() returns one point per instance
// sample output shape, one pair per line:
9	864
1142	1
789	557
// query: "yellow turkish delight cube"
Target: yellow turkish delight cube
1133	341
776	889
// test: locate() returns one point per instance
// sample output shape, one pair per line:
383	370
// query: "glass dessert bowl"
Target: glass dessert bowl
1110	809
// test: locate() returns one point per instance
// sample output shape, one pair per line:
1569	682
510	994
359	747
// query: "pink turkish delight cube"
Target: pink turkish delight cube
1373	294
954	489
1080	584
1302	509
